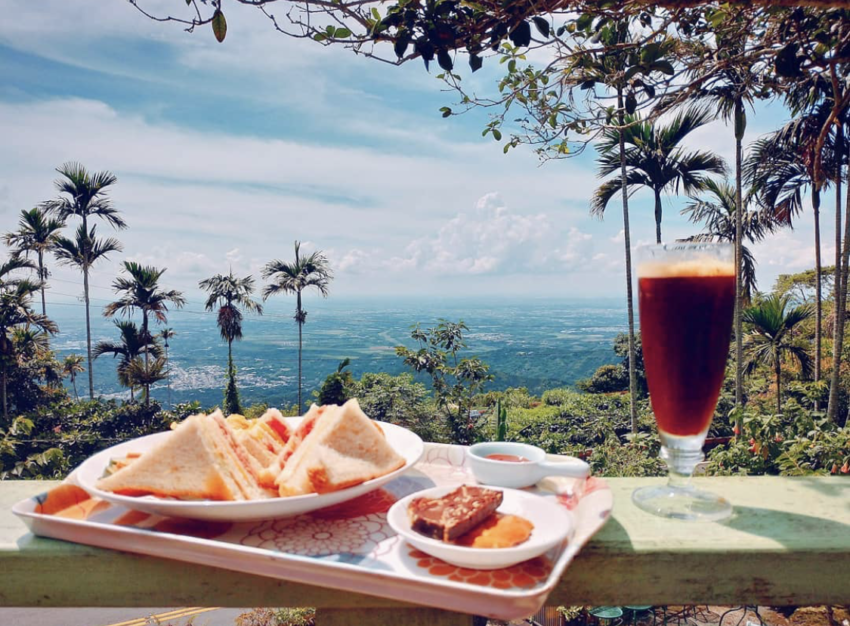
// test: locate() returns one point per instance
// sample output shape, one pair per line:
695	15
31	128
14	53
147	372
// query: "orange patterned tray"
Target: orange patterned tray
349	546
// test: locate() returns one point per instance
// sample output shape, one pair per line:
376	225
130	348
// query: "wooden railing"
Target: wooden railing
787	544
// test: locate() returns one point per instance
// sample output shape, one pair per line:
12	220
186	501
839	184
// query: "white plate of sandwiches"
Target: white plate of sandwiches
234	469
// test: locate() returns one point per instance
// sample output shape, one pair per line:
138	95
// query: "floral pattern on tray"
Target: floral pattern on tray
353	534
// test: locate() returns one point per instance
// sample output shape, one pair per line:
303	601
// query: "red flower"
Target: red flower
778	439
834	469
736	430
845	469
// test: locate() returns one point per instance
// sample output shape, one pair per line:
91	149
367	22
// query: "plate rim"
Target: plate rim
546	544
235	505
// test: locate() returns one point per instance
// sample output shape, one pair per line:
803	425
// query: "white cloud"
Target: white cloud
788	252
491	238
201	201
393	194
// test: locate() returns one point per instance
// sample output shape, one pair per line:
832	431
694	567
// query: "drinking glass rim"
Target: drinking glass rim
686	245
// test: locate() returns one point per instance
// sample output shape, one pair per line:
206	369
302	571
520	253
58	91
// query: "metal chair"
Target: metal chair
744	610
636	609
606	614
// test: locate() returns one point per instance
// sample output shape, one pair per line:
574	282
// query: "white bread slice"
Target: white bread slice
274	422
268	476
196	461
345	448
264	438
244	468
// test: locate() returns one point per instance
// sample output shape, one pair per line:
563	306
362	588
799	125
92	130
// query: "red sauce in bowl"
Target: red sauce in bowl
509	458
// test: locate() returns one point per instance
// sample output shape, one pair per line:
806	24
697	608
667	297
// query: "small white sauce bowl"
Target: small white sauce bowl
552	522
516	475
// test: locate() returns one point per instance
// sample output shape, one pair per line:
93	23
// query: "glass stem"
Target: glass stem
681	461
675	480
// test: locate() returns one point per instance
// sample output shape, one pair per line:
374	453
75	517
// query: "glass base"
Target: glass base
684	503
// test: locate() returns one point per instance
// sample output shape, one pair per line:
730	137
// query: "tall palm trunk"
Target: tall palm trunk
167	374
74	383
778	368
657	215
739	287
840	305
88	320
300	325
230	354
41	277
818	283
147	387
5	407
628	245
88	330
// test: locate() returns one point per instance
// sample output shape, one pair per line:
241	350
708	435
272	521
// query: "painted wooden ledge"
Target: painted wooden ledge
788	544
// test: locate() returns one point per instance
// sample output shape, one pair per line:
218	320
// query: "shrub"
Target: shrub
606	379
278	617
53	439
402	401
338	386
512	397
796	442
632	459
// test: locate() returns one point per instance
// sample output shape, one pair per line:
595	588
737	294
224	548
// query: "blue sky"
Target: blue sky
226	153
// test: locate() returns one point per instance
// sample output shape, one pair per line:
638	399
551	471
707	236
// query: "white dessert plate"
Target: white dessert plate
406	443
553	524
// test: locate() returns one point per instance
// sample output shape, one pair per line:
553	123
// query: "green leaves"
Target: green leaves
446	111
219	25
651	52
787	63
425	49
521	35
541	25
400	46
584	22
491	128
665	67
445	60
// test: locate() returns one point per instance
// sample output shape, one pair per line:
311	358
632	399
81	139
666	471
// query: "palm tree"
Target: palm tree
140	290
720	220
305	272
71	366
15	312
146	373
37	235
83	252
165	334
610	70
230	293
84	194
781	168
728	92
132	344
655	159
771	338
